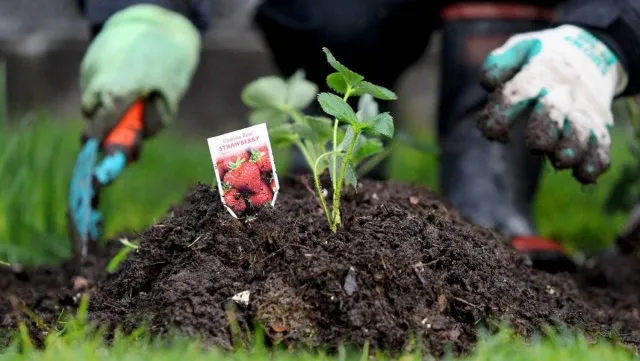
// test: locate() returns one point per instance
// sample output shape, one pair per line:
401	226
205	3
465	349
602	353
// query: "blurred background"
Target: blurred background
43	42
41	45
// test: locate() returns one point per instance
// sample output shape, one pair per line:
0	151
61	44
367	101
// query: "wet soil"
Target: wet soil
44	297
403	265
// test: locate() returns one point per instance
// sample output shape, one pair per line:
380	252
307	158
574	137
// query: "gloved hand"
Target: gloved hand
563	81
133	76
143	51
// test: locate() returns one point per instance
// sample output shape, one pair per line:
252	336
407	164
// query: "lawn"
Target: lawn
36	161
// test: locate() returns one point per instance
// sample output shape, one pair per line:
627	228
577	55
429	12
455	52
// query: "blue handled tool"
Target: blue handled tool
117	139
81	193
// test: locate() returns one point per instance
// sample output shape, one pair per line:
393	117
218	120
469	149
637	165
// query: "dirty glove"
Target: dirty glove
562	81
132	78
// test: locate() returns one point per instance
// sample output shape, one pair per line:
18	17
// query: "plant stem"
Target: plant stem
323	203
336	192
335	209
316	180
334	162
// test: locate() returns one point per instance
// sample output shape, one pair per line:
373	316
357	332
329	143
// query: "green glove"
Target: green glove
142	52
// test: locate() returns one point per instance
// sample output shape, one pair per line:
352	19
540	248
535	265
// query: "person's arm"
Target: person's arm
98	11
617	24
133	76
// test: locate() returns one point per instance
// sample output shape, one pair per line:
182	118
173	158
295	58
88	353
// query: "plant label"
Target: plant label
245	170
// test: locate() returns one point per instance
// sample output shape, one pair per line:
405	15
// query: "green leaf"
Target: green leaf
346	141
271	116
336	82
265	92
381	124
337	107
367	108
321	127
304	131
282	135
350	77
349	178
376	91
301	92
127	243
117	260
342	131
366	148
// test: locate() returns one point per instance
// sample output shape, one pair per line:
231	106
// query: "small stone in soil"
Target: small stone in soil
80	283
350	286
242	298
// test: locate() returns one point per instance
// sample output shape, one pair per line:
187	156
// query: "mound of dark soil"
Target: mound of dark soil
614	278
402	265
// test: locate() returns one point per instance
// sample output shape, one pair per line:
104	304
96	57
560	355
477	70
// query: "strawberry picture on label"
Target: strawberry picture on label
246	177
226	164
235	200
261	157
262	196
245	170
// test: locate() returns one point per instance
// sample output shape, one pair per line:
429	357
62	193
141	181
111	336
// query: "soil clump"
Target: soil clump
402	265
42	296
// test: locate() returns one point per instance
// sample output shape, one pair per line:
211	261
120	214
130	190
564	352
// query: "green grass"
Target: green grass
35	165
73	341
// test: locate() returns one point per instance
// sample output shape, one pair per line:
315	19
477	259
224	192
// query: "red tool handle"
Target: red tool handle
129	127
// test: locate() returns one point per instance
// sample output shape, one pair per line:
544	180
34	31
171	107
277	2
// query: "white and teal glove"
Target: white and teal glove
563	81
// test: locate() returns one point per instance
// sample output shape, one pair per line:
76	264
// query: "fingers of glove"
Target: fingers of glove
596	160
496	119
544	126
569	152
507	104
110	167
505	62
585	145
542	133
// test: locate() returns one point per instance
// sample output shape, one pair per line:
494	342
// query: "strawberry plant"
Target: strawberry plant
338	143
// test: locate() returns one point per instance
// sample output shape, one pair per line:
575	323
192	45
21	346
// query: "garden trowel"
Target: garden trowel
111	136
